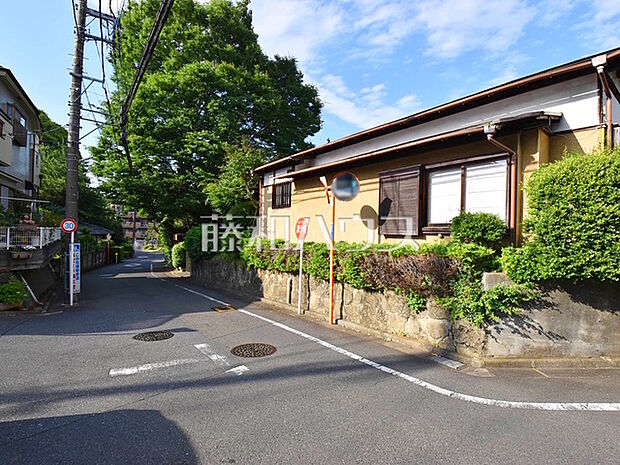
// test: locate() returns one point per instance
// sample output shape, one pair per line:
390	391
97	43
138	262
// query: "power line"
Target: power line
147	53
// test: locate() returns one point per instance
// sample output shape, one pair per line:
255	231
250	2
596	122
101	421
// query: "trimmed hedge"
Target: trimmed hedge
479	228
178	255
574	222
370	268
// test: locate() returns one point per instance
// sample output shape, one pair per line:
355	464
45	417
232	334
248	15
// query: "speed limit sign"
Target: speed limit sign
68	225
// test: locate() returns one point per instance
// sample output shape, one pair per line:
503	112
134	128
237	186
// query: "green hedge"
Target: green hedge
193	243
478	228
574	222
13	292
371	268
178	255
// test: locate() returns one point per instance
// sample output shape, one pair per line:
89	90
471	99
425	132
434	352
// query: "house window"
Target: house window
485	188
471	187
281	195
444	195
399	194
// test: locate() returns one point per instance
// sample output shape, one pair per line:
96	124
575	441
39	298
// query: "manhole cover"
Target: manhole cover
256	349
153	336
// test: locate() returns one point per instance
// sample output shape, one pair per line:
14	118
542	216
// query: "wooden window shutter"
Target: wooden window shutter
399	198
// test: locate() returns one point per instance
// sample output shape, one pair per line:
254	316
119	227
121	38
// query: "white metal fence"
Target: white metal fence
35	238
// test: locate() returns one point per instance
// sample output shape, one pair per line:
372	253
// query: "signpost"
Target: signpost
344	187
69	226
301	229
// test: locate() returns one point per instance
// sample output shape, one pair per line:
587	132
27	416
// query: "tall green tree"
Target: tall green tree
208	88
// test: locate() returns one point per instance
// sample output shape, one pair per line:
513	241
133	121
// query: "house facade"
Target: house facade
472	154
20	129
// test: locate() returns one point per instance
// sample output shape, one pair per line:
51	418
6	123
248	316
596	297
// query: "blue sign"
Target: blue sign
76	268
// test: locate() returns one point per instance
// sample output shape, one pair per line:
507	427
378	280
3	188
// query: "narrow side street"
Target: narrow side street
75	384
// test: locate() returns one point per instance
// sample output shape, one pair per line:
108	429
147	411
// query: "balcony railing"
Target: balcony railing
35	238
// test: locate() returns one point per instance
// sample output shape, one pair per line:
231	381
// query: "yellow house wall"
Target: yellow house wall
534	147
352	218
581	141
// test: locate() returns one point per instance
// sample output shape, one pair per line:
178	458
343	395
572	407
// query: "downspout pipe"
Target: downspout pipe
512	217
609	88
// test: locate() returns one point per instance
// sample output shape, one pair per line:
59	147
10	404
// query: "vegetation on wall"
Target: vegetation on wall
573	225
14	292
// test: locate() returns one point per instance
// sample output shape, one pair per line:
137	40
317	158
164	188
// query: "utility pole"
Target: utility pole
75	105
73	141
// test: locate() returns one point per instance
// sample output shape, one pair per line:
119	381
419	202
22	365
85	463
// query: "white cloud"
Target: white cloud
296	27
366	108
453	28
601	30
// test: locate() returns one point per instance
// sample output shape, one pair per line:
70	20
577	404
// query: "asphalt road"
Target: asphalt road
75	387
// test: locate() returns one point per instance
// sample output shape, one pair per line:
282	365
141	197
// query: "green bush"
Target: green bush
127	251
574	221
470	302
178	255
473	259
478	228
14	292
193	243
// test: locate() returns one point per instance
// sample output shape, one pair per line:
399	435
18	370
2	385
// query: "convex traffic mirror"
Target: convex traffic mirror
345	186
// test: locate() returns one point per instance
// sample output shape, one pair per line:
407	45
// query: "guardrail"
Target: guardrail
28	238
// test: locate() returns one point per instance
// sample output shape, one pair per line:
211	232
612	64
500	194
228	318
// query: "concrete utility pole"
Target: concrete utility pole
75	104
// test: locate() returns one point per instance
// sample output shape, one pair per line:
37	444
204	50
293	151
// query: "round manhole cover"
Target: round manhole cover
153	336
256	349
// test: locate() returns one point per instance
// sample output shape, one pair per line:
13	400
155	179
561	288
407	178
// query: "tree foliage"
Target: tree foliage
93	205
236	183
209	94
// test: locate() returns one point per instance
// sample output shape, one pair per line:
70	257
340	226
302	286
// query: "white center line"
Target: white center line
554	406
150	366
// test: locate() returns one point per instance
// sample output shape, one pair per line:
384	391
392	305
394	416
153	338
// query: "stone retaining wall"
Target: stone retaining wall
571	324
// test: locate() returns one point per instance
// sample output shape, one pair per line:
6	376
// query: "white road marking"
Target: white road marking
553	406
238	370
189	290
150	366
206	350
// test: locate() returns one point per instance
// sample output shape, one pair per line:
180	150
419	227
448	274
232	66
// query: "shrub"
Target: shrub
472	303
424	274
473	259
178	255
127	251
193	243
14	292
316	262
478	228
574	221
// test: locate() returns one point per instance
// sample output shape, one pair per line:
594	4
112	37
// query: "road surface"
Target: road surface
75	387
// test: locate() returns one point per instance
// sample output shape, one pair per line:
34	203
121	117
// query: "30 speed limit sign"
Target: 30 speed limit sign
68	225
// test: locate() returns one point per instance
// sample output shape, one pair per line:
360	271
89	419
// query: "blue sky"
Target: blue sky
372	60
